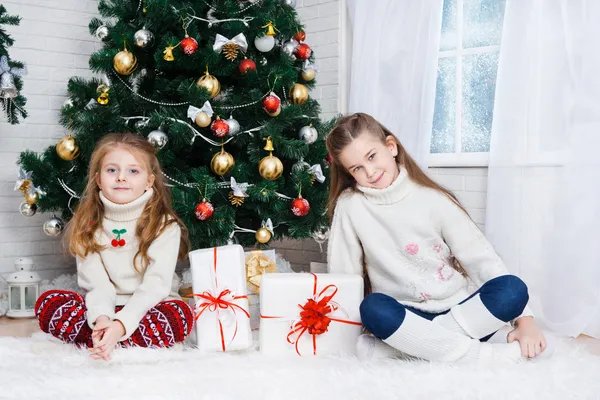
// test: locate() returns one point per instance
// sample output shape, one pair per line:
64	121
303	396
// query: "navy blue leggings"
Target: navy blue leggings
505	297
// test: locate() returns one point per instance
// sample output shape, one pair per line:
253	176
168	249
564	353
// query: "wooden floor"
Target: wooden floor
25	327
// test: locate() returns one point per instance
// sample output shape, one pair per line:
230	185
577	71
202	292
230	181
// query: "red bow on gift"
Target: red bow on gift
314	317
223	301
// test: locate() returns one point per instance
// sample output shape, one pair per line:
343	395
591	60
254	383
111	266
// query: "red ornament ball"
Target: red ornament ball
219	128
204	210
247	65
303	51
189	45
271	103
300	206
300	36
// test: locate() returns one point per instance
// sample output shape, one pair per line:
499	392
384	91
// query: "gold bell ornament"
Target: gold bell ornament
102	91
270	167
209	83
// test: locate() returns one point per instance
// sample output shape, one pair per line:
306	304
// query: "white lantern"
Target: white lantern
23	289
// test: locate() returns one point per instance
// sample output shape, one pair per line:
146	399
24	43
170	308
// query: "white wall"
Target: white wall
54	42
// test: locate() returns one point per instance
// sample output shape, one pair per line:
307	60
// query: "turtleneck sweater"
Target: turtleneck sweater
110	278
406	236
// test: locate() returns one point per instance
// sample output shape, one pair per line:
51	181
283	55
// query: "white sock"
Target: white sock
370	348
449	322
474	317
424	339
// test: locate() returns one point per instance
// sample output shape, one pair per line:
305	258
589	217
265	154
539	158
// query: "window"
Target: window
466	82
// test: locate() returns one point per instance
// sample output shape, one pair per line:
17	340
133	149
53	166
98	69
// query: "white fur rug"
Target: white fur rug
41	368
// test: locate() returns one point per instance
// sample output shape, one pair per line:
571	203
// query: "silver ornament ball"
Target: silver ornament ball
308	134
158	138
289	48
143	38
234	126
299	166
27	210
54	226
102	32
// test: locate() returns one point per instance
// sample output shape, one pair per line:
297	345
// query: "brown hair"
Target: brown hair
158	213
351	127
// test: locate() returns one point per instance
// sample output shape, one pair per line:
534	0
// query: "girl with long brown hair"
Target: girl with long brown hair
440	291
126	239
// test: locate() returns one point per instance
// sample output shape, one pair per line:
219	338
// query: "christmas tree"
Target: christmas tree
221	88
12	101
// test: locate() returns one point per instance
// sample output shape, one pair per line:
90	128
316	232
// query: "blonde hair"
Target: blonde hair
351	127
157	215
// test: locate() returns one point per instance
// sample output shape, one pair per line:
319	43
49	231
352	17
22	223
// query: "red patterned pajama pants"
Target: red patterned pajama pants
63	314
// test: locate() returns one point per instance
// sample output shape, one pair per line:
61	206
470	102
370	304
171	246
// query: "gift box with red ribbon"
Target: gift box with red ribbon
221	304
310	314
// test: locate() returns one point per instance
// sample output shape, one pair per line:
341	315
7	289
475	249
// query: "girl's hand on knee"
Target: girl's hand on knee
529	336
110	337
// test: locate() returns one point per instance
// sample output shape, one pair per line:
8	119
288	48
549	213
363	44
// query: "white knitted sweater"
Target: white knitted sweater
109	277
406	235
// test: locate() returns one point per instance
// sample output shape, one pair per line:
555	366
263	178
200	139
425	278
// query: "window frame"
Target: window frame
459	158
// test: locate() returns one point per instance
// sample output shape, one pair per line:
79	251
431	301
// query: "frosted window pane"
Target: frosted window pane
482	22
449	30
479	87
444	114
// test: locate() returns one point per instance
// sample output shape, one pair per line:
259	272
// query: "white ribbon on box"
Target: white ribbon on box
219	286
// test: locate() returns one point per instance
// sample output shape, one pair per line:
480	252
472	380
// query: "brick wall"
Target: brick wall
54	42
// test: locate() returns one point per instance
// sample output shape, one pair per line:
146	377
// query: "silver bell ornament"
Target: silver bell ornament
102	32
54	226
143	38
308	134
158	138
27	210
8	89
234	126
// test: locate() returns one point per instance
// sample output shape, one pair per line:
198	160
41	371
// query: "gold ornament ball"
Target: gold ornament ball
209	83
221	163
298	94
202	119
276	113
125	62
31	198
270	167
67	149
263	235
308	74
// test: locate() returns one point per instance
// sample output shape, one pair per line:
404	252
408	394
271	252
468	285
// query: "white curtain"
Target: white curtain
393	70
543	212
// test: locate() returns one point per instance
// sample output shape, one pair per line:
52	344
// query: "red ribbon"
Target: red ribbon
214	304
314	317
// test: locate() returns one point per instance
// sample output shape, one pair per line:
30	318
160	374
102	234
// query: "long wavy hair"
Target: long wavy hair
157	215
351	127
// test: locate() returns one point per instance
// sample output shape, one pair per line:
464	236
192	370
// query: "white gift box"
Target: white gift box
221	304
337	297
